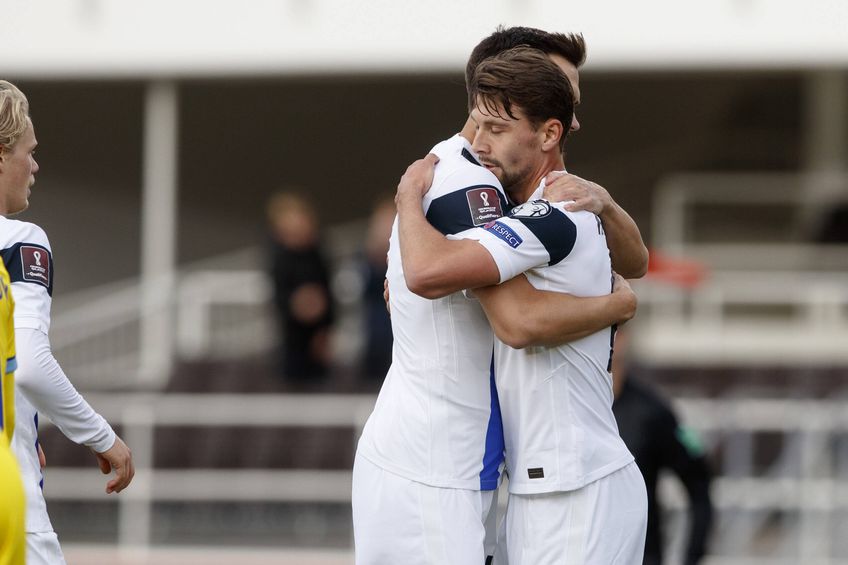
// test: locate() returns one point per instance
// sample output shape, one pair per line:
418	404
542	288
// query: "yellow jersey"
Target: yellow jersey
12	541
7	356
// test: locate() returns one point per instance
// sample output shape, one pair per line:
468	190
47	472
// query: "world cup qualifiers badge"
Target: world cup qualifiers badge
36	264
484	205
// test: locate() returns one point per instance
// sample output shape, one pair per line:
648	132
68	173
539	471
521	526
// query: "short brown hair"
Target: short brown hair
14	110
570	46
525	78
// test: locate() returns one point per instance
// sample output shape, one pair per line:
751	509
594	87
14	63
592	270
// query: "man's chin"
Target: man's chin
497	171
19	210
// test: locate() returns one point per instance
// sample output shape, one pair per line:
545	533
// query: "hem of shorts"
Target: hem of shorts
560	486
464	484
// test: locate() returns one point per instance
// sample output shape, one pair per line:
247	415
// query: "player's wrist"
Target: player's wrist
623	305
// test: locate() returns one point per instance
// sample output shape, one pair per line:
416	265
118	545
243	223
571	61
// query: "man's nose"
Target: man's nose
575	125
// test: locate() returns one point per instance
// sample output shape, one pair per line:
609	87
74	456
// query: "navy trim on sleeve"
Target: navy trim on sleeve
466	208
554	230
468	156
29	263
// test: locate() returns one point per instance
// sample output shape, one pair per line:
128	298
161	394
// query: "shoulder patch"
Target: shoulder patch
30	263
465	208
35	264
534	209
484	204
505	233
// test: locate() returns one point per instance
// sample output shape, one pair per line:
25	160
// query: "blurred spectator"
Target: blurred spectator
653	435
835	226
378	325
301	287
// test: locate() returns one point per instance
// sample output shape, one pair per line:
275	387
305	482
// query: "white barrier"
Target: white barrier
815	490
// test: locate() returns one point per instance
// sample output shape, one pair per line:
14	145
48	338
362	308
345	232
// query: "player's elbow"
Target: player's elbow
425	283
637	266
516	335
33	357
516	342
27	373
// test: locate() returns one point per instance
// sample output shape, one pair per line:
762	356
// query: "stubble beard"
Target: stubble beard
514	183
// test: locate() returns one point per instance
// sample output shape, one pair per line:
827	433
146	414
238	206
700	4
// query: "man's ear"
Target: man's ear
553	132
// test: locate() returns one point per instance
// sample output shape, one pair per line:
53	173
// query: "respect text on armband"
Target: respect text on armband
505	233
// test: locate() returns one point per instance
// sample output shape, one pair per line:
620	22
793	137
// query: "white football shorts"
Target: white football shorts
43	549
400	521
603	523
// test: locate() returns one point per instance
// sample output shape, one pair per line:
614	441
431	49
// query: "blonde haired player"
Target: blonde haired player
41	385
12	540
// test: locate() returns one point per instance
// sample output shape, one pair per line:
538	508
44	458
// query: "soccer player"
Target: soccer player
575	493
431	452
12	539
627	250
41	385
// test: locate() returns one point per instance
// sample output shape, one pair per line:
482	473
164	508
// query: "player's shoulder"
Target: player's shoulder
13	232
556	214
538	213
26	253
458	168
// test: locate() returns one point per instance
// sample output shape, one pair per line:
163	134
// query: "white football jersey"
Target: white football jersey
556	402
39	381
436	420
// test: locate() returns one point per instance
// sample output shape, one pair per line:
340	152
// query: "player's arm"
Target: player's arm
434	266
39	376
683	453
43	382
523	316
628	253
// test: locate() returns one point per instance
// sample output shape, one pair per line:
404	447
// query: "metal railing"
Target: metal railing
809	478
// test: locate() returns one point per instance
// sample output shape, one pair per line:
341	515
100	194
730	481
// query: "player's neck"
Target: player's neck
522	193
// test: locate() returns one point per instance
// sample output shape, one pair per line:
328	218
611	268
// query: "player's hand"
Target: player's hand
582	194
626	298
117	458
386	296
42	460
418	177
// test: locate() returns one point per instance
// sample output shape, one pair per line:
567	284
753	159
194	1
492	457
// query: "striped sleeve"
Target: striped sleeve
535	234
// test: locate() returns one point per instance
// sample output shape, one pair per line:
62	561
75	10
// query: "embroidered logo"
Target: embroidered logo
484	205
534	209
35	264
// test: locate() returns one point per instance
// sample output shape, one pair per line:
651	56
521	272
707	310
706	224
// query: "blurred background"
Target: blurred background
216	181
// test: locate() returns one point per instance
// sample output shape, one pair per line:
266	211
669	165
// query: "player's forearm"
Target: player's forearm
42	381
434	266
527	326
627	250
420	245
562	318
522	316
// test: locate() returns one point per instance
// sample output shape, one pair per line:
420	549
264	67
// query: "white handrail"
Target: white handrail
814	491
